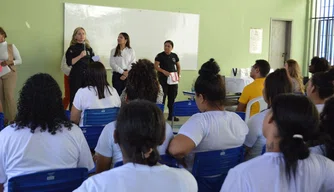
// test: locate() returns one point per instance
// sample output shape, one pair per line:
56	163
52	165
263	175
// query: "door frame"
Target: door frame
289	46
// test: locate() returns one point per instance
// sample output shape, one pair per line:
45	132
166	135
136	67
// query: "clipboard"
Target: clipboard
4	70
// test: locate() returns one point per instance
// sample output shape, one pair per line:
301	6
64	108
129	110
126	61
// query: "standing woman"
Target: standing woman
9	58
78	55
165	63
121	59
296	77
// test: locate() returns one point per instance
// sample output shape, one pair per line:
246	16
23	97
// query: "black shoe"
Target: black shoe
175	119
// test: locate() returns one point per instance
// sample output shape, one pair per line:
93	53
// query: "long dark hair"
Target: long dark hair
294	115
323	83
211	84
140	126
142	81
40	105
118	48
96	76
277	83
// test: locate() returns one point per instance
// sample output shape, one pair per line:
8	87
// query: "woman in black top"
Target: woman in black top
166	62
78	55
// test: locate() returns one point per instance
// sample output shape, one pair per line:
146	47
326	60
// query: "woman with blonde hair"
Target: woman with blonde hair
293	70
78	56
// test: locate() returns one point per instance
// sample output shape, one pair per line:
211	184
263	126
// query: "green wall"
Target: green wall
224	30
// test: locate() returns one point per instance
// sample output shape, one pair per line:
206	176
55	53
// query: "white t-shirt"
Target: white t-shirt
87	98
214	130
320	107
118	64
141	178
267	173
255	139
107	147
23	152
319	149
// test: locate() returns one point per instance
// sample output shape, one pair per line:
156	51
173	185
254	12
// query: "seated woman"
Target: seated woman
214	128
287	165
97	93
276	83
296	77
140	85
320	87
325	143
137	78
140	128
42	137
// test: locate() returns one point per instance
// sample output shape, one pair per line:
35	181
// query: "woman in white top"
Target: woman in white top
42	138
9	58
214	128
287	165
276	83
296	77
121	59
96	94
141	84
320	87
140	128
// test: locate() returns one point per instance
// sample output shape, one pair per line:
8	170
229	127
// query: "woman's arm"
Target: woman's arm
113	64
17	56
75	115
157	67
181	146
178	67
102	163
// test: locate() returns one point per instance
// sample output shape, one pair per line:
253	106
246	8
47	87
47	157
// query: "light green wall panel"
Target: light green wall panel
224	30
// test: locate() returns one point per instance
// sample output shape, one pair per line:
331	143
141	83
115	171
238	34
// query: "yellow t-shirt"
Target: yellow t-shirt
252	91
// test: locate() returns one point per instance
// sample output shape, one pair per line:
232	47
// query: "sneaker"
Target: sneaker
175	119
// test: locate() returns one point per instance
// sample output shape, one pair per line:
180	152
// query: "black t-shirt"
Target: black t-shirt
75	50
167	62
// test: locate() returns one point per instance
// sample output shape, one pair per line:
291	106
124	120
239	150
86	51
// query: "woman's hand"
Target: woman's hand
166	73
5	63
123	77
83	54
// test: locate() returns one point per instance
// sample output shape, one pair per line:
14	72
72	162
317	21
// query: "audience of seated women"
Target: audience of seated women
214	128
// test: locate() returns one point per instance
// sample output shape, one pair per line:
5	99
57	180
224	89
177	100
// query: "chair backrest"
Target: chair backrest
210	168
185	108
262	103
164	159
241	114
162	107
263	150
92	134
100	117
64	180
68	114
2	121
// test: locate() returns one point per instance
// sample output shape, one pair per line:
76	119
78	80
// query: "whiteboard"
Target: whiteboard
148	30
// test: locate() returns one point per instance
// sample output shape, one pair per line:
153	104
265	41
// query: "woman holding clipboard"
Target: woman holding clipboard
121	59
167	64
78	55
9	58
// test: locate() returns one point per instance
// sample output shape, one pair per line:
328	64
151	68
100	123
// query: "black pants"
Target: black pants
76	81
117	83
170	91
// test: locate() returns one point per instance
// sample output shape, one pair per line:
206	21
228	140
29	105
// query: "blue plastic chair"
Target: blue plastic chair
68	114
2	121
164	159
162	107
184	108
64	180
263	150
242	115
210	168
94	121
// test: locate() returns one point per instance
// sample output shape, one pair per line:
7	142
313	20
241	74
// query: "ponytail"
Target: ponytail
293	149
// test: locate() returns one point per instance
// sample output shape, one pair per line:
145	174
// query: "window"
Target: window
323	29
